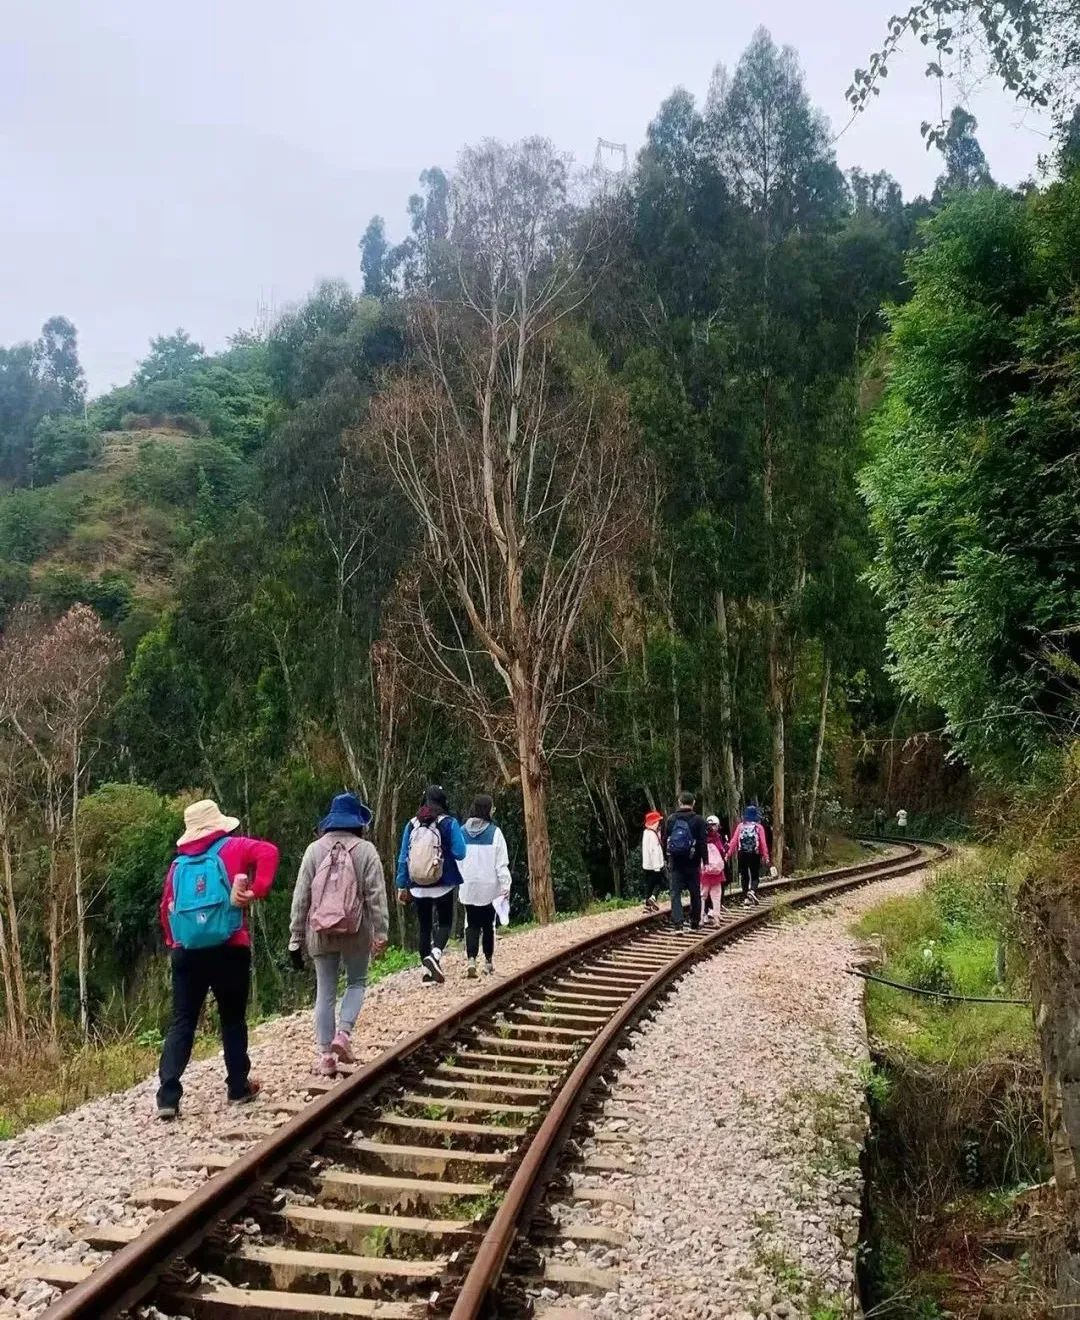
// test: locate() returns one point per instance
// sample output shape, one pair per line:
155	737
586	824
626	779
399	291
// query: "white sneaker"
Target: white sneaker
489	968
434	967
470	969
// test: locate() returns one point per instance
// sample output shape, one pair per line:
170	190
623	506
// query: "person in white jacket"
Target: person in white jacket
654	876
485	879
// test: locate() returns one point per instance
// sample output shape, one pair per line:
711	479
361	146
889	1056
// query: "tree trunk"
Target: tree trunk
815	775
54	952
8	982
534	801
676	722
732	786
779	751
80	901
18	973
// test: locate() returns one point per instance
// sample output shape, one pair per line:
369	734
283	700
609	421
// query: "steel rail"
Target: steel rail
131	1275
475	1298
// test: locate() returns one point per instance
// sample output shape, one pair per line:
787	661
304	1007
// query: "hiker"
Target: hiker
712	871
339	912
652	860
749	843
432	844
215	877
485	880
685	840
879	821
901	821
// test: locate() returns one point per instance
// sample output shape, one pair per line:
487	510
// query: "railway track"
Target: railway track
414	1187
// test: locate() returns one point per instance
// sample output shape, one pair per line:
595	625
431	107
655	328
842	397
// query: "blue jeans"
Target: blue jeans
327	966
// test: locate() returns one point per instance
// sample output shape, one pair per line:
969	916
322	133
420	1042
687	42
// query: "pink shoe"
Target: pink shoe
342	1048
325	1066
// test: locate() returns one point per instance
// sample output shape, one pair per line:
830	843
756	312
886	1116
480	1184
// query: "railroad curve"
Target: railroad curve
467	1119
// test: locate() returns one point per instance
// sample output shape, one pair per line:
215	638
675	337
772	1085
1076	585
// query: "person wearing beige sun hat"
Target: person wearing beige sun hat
215	877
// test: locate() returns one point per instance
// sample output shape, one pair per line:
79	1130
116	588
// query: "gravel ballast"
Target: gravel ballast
80	1168
740	1115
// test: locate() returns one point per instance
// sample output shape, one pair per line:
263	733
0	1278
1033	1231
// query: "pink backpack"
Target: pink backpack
335	895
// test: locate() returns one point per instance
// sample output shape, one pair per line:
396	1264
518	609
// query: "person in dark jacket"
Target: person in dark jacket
434	903
686	843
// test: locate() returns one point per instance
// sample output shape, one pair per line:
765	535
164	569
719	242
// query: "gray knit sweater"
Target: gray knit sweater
374	920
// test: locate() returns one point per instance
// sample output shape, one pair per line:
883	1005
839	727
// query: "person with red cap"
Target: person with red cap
654	874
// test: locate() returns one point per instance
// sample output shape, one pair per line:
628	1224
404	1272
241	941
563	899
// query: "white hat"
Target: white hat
203	818
712	820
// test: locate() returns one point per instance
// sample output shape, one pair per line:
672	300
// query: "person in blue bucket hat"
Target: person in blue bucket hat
339	912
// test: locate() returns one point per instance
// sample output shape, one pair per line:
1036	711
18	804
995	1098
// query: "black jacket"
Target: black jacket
700	832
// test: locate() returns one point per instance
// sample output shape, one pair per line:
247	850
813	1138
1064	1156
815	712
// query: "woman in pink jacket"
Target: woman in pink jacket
749	843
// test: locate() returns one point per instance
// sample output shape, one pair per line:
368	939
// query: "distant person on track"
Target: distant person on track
750	846
712	872
485	881
339	912
432	844
901	821
653	872
216	876
879	821
686	845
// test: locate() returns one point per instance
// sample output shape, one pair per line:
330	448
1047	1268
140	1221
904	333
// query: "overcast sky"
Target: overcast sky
171	165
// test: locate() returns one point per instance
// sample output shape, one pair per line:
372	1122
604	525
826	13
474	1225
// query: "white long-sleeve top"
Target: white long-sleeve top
652	851
485	872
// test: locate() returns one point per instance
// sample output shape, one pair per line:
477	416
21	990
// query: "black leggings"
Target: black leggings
436	916
653	883
480	924
749	871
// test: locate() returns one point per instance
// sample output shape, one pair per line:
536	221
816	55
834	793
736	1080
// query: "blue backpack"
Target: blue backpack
681	841
202	913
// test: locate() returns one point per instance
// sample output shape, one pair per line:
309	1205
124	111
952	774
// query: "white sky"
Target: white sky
178	164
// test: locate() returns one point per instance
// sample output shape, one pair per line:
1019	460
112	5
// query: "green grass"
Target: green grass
947	937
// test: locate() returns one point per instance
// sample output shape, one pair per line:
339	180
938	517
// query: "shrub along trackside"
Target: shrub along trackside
955	1099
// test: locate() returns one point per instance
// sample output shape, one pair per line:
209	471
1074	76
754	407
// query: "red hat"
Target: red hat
652	818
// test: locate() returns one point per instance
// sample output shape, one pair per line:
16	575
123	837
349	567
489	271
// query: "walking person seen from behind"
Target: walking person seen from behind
432	844
339	912
216	876
712	872
653	874
485	880
749	844
687	851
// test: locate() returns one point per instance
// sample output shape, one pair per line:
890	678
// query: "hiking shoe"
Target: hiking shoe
168	1112
754	898
651	905
489	968
470	969
434	967
253	1089
325	1065
427	978
746	902
341	1048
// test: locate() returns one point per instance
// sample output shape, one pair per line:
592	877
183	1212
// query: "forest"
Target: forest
734	473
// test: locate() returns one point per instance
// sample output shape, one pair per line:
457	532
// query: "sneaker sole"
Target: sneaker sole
436	972
168	1115
471	974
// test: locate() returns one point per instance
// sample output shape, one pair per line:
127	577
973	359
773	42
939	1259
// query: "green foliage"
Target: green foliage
62	444
972	490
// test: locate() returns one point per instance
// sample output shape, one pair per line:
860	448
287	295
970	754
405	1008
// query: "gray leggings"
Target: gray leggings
326	982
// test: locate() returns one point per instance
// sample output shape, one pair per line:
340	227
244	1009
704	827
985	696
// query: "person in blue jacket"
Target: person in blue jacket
432	844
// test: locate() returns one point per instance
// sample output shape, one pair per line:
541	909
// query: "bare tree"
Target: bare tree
516	457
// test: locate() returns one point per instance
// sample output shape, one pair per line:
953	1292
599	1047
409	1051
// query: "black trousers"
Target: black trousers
749	871
685	878
653	883
436	916
225	972
479	926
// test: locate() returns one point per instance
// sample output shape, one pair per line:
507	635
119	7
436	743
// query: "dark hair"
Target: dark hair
435	796
686	798
482	806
